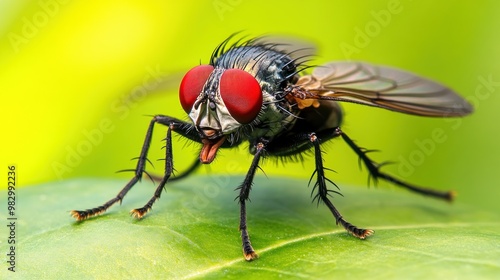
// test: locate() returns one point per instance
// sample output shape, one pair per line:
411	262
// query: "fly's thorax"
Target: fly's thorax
273	70
276	117
238	94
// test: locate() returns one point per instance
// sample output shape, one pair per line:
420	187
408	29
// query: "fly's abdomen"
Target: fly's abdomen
327	115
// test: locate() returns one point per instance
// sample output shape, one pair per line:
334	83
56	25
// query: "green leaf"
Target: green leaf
192	232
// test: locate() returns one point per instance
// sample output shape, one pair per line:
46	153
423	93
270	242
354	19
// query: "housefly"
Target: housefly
255	92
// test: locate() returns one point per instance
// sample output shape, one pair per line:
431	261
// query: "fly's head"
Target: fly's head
219	101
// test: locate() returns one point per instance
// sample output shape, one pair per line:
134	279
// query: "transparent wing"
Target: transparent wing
380	87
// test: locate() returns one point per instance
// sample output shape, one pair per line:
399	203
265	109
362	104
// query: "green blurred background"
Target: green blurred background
73	74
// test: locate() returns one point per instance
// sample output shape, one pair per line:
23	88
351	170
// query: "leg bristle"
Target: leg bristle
362	233
451	196
139	213
250	256
84	215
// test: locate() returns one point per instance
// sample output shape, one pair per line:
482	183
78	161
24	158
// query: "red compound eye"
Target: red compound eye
192	85
241	94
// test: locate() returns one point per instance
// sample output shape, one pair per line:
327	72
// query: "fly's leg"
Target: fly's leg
169	167
245	187
324	192
375	172
180	126
184	174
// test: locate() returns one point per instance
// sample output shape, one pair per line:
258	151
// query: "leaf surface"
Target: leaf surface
192	232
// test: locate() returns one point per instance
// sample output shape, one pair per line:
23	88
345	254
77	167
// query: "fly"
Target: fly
255	91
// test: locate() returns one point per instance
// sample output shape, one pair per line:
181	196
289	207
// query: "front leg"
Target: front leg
169	167
184	128
245	187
